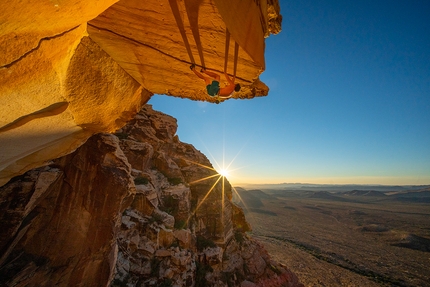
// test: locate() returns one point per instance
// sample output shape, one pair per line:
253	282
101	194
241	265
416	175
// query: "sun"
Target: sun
224	172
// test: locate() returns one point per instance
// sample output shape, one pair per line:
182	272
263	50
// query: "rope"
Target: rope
180	24
227	47
192	10
236	53
193	19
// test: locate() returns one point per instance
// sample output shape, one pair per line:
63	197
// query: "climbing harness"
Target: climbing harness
219	99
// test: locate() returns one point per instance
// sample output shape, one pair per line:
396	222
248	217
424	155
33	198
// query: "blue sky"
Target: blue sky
349	100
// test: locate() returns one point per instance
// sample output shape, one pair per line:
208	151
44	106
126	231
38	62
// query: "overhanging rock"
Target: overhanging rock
156	41
72	68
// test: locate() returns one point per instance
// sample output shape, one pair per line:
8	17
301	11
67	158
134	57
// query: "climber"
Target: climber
212	83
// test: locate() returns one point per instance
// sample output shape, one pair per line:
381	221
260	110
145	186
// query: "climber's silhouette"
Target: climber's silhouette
212	83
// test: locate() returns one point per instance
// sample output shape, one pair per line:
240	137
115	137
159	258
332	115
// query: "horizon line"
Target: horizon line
304	183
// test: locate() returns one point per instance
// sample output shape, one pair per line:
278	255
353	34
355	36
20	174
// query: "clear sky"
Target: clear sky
349	100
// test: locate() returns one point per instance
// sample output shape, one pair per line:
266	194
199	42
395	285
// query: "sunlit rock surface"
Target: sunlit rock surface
57	96
130	209
72	68
156	42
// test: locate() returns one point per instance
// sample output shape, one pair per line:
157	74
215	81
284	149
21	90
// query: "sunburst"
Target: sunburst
222	172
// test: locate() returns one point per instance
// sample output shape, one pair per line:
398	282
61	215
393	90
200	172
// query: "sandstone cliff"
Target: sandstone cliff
72	68
138	208
129	209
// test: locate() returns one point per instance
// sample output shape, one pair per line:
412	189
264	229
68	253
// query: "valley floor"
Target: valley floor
345	241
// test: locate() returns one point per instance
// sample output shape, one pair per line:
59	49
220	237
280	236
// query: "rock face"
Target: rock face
73	68
49	98
132	208
129	209
156	42
62	219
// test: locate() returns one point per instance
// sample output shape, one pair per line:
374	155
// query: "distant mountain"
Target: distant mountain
356	192
250	198
345	193
239	189
327	196
413	196
420	194
260	194
335	187
247	199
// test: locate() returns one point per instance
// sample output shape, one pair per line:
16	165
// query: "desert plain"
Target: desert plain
344	235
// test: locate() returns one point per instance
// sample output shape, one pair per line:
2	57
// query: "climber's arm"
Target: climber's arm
198	74
207	80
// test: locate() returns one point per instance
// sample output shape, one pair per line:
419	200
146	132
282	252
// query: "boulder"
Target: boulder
213	256
142	204
165	237
138	153
184	237
163	217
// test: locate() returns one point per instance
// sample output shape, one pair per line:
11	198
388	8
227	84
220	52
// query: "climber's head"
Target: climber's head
237	88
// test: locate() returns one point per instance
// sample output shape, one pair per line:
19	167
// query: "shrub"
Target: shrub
227	278
180	224
156	218
167	282
193	202
274	269
203	242
121	283
121	136
170	205
140	180
174	180
175	243
240	276
239	237
201	270
155	267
